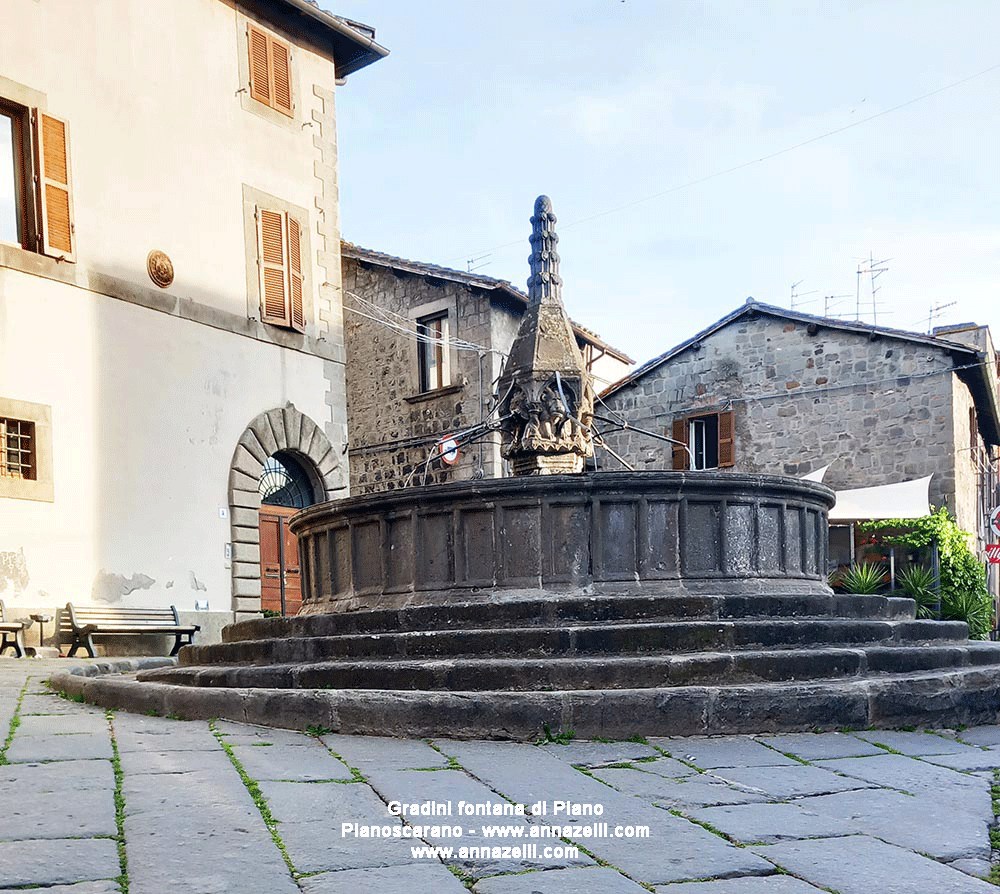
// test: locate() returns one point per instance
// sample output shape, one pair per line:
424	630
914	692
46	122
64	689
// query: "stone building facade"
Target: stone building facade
425	347
773	391
170	315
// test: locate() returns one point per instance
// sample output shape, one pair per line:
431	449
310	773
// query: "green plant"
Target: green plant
919	584
964	596
563	737
863	579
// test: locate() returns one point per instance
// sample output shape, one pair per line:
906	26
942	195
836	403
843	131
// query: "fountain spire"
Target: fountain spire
546	399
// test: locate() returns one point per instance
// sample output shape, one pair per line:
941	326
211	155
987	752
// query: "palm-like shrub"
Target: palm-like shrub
863	579
919	584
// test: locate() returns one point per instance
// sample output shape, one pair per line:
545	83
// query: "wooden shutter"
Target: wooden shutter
726	458
281	76
680	454
296	317
272	257
260	68
54	193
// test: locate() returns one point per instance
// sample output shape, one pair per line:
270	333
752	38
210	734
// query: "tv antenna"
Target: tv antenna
471	265
936	311
874	269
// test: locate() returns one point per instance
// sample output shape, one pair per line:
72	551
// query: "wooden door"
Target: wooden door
280	574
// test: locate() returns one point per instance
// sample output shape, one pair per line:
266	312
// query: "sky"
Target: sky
697	153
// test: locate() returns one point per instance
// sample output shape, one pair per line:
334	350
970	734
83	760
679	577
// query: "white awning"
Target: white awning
906	499
816	474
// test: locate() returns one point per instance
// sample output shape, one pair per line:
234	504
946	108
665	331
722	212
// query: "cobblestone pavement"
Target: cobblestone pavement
98	802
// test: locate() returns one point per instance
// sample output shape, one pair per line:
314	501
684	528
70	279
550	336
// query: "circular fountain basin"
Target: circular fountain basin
605	532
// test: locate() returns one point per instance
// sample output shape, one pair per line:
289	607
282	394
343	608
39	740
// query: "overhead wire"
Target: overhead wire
754	161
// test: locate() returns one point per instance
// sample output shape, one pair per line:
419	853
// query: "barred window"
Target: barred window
17	449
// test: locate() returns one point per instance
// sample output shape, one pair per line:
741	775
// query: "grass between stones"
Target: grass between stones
119	805
15	722
994	876
258	798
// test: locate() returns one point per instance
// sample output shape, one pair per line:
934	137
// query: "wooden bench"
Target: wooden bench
81	625
13	633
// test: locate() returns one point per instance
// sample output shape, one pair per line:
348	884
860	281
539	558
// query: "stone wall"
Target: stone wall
392	425
878	410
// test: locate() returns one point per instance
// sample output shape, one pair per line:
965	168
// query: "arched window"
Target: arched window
283	482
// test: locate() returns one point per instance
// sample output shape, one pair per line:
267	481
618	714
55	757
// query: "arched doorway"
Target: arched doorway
284	489
299	444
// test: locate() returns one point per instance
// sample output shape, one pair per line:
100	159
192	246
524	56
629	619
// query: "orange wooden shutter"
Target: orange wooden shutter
281	75
54	193
273	269
295	274
260	69
726	457
680	454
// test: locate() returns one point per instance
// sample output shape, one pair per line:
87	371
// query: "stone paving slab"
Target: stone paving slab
62	724
136	733
83	814
821	746
861	865
55	862
687	792
560	881
594	754
62	776
76	746
951	788
914	743
976	760
166	792
171	763
399	754
914	822
988	736
769	823
250	734
768	884
666	766
318	847
291	762
782	783
105	887
414	879
709	752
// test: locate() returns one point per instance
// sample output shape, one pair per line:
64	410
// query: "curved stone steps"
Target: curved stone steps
968	695
622	638
603	609
591	672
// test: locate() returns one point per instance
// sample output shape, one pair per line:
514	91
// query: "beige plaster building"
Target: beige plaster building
171	347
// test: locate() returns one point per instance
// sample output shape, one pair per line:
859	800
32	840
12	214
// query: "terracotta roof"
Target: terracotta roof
473	280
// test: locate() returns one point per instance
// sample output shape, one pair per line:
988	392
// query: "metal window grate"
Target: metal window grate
17	449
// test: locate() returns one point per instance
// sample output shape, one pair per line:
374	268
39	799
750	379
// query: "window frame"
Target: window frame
254	201
683	436
433	374
39	417
24	205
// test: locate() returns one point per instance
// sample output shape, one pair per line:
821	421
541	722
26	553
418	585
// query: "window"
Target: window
708	437
17	449
279	258
270	62
25	451
36	209
432	347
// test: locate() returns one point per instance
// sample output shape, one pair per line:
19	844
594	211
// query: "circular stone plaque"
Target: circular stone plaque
160	268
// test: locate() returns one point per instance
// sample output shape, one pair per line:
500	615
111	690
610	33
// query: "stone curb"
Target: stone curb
967	696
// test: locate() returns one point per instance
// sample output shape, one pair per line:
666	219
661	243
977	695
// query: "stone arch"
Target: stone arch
280	429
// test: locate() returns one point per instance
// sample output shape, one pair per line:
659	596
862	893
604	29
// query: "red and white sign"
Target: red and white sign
993	553
448	450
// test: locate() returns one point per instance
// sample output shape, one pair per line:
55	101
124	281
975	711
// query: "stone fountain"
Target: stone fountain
609	603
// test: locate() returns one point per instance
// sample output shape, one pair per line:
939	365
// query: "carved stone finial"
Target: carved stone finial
546	395
544	284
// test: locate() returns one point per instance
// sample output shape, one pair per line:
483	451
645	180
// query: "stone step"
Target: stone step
603	609
615	672
940	697
618	639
